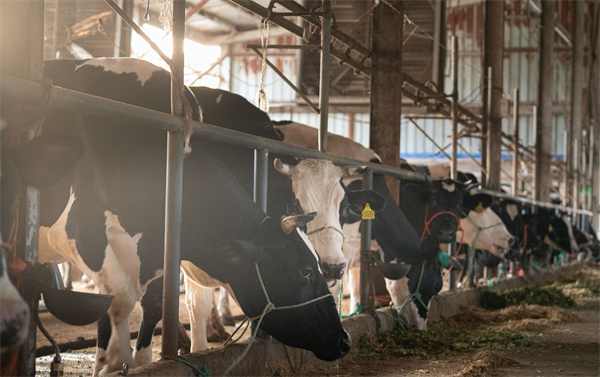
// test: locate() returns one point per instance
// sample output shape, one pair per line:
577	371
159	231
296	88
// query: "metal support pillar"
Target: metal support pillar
574	158
386	84
325	70
175	143
454	110
365	248
493	58
123	31
21	55
515	162
543	128
261	171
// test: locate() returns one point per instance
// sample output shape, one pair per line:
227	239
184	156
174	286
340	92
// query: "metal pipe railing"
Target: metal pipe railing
66	99
537	203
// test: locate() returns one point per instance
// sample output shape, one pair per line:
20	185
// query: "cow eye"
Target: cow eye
306	273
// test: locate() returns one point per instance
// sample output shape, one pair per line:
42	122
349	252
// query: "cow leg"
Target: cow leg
399	292
199	301
354	287
151	304
224	310
104	332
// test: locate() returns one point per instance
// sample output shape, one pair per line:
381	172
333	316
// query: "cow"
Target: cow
104	181
391	230
303	186
14	311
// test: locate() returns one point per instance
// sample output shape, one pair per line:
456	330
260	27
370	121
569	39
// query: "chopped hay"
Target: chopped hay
486	364
517	318
588	275
529	294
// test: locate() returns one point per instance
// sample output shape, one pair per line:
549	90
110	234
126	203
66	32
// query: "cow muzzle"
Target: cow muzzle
333	271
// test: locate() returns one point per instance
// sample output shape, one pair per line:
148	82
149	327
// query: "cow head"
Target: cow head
433	206
316	184
288	265
482	226
509	212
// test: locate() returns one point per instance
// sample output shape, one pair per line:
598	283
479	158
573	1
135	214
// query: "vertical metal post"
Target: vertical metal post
173	202
365	248
21	55
486	141
261	171
123	31
453	252
325	71
454	109
575	128
515	162
534	173
543	139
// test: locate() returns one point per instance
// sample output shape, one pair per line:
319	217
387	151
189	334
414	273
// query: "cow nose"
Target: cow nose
446	235
345	344
333	271
511	241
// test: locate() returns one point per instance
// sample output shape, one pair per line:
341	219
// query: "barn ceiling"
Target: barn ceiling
90	24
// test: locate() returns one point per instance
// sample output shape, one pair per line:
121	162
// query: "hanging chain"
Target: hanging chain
261	97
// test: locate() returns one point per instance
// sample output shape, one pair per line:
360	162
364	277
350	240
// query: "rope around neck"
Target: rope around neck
325	228
269	307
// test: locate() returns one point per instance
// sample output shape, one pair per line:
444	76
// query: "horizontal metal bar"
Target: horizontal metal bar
66	99
284	47
537	203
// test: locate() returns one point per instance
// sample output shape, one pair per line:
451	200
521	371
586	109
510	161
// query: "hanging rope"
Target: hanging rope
261	96
270	306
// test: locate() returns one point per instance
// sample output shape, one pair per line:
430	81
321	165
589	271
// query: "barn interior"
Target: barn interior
508	91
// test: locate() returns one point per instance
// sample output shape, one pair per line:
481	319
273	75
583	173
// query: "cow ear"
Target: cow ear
358	199
449	261
353	171
393	271
289	223
285	168
46	159
477	202
230	254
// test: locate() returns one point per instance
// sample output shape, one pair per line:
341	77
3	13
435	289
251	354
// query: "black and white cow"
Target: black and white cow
391	230
306	186
103	182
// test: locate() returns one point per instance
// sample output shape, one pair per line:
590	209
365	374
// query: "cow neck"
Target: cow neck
523	242
472	246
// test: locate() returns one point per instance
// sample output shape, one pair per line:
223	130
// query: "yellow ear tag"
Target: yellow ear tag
368	213
550	229
479	208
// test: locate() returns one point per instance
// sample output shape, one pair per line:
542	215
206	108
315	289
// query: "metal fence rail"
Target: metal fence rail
66	99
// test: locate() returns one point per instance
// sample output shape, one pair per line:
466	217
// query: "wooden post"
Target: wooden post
493	58
543	140
386	84
324	77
